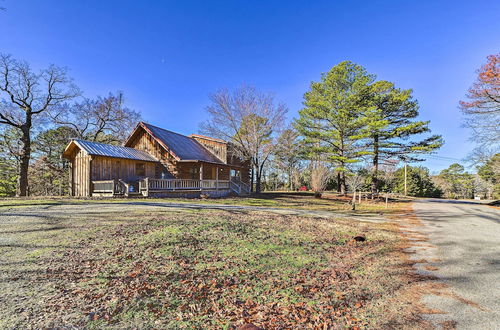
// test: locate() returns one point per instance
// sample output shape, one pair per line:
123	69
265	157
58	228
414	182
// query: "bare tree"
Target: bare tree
355	179
105	119
26	95
250	120
320	174
287	154
482	107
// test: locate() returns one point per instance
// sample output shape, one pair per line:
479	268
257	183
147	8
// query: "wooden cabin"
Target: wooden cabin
156	162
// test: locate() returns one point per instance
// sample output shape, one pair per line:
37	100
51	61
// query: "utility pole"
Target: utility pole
406	187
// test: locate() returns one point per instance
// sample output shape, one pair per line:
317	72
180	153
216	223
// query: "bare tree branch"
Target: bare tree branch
248	119
25	95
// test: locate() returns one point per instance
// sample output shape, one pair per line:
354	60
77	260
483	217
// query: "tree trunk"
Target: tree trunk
258	175
339	182
251	179
375	164
22	182
257	181
343	187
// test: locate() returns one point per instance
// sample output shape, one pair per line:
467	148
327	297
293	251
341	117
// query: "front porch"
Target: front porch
169	187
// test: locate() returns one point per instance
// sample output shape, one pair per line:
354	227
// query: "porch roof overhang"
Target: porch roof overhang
213	163
107	150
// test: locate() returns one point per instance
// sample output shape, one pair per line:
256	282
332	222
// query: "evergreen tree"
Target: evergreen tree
10	151
398	109
490	172
418	180
49	173
456	182
337	117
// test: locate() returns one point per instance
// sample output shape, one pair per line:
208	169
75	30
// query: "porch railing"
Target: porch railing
116	187
144	186
105	186
239	186
157	185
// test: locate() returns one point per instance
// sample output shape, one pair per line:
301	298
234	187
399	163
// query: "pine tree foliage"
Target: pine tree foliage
395	139
336	117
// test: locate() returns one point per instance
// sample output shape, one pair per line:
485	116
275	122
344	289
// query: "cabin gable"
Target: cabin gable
215	146
143	140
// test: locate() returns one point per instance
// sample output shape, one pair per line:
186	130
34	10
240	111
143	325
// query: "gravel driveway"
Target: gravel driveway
465	249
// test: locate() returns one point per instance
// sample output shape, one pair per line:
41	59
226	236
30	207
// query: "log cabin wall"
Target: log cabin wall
80	176
223	173
188	171
219	149
192	171
108	168
144	141
245	175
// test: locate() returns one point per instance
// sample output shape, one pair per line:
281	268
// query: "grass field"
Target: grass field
296	200
78	266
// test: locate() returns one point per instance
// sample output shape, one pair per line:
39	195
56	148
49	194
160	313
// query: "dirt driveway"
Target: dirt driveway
464	253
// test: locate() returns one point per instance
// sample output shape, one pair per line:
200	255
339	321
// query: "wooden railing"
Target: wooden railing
105	186
115	187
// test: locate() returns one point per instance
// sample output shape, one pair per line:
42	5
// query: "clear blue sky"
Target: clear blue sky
168	56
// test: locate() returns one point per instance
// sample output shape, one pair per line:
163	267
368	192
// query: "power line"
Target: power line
444	157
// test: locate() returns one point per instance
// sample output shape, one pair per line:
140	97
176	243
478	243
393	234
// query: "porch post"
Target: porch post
216	177
201	175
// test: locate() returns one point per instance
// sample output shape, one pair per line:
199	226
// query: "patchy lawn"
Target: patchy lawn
294	200
75	266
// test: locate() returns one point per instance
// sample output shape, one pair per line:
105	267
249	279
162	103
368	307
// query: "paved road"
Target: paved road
465	240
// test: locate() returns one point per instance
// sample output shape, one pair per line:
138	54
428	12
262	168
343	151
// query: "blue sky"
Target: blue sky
168	56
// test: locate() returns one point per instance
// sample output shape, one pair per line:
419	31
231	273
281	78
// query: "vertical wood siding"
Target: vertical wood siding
144	141
219	149
80	166
108	168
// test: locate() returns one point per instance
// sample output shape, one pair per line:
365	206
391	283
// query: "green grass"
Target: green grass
198	269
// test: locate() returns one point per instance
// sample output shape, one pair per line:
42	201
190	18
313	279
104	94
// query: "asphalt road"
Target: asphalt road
464	245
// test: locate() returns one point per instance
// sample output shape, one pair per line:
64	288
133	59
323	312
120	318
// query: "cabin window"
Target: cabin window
140	169
194	173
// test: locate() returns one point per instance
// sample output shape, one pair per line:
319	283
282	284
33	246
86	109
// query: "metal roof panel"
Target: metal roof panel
107	150
184	147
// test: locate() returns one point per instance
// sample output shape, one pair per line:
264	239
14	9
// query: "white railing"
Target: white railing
144	186
156	185
235	187
223	184
239	186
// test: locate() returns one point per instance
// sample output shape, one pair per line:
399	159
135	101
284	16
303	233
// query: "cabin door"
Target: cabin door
116	170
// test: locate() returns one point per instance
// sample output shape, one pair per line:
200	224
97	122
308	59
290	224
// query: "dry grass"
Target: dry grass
204	269
296	200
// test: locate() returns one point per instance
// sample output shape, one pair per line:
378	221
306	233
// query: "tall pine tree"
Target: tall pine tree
337	117
399	110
